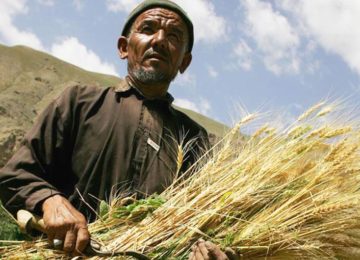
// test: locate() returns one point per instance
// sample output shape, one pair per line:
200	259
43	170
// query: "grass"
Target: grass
9	230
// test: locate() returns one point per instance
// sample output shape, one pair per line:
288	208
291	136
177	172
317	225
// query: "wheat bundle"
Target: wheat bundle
290	193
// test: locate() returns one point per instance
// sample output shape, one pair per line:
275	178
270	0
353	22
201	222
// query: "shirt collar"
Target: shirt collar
124	86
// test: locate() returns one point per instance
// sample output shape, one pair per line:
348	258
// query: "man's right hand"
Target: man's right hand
62	221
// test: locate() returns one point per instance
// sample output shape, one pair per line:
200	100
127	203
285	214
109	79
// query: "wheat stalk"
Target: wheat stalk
277	193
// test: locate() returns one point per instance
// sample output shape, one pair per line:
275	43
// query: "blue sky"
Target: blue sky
278	55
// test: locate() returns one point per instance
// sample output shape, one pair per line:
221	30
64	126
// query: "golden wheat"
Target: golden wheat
290	193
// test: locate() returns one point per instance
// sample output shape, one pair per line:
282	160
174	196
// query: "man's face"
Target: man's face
157	46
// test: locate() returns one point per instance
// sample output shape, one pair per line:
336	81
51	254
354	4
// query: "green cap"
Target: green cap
167	4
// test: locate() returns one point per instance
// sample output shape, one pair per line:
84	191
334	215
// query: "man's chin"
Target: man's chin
152	76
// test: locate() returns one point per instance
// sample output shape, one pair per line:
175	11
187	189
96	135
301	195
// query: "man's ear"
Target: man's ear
185	62
123	47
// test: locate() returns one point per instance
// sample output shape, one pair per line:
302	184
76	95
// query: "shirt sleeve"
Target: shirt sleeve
30	175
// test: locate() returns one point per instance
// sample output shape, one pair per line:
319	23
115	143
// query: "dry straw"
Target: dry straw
292	193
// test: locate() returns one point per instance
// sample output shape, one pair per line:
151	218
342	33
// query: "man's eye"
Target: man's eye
174	36
147	30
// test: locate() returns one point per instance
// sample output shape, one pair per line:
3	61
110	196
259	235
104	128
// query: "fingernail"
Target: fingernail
201	240
208	244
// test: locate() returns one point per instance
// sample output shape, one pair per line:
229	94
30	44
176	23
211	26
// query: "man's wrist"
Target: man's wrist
35	200
50	200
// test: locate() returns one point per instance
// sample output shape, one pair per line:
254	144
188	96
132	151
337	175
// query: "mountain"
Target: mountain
30	79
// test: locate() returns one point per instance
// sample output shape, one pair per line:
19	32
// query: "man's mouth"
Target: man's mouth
155	55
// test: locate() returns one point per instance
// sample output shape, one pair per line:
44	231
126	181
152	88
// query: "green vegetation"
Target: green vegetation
139	209
8	228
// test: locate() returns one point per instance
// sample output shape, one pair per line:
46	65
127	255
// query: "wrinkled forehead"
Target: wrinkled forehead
163	16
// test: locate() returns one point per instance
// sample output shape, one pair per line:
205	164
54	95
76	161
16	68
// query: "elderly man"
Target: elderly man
92	140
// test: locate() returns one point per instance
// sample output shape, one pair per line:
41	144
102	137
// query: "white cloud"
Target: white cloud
73	51
121	5
47	2
186	79
275	38
79	4
243	53
203	106
13	7
70	49
332	24
212	72
9	33
209	27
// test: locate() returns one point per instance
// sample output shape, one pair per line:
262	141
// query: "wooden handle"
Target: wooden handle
28	222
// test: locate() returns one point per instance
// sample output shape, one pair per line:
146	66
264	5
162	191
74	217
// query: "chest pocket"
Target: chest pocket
159	165
160	172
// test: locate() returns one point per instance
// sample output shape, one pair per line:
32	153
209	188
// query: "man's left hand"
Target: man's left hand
205	250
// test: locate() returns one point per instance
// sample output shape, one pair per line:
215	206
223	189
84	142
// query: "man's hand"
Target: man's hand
65	223
205	250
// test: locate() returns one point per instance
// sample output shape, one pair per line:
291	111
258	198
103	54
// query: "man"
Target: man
92	140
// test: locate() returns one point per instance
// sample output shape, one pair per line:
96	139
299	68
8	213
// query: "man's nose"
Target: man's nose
159	39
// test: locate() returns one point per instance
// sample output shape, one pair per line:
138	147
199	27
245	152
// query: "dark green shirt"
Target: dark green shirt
99	141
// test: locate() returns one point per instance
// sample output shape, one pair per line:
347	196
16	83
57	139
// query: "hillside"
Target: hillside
30	79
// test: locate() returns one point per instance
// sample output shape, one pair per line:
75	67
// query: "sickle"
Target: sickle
28	222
